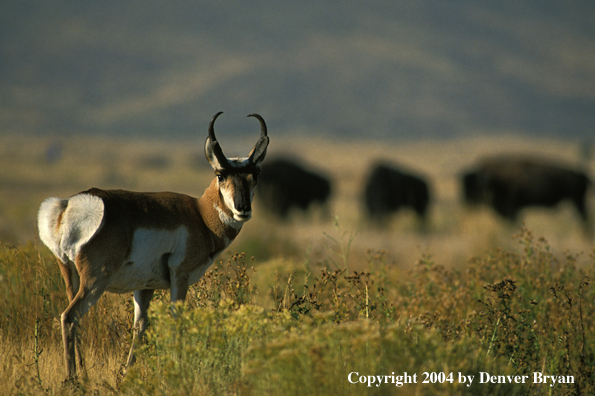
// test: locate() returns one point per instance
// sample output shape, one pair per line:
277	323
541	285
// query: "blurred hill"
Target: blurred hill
383	69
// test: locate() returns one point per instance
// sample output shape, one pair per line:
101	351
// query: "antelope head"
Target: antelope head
236	177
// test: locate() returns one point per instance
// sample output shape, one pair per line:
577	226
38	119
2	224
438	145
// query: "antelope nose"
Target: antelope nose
244	208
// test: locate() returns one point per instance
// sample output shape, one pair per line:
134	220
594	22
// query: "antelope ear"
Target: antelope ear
213	150
260	148
259	151
215	155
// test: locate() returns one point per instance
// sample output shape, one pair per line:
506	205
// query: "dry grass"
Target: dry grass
285	252
261	331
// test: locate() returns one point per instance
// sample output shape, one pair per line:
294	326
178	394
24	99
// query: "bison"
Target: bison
285	185
510	183
389	189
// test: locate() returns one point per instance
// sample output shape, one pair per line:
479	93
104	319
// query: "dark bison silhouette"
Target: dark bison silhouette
285	184
389	189
510	183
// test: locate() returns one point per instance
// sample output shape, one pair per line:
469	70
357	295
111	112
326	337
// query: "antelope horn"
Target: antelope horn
260	148
213	150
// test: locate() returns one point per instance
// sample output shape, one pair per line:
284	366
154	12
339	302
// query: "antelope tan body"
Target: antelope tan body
123	241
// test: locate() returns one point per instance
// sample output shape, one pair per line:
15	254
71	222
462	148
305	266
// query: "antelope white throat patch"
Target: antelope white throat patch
227	219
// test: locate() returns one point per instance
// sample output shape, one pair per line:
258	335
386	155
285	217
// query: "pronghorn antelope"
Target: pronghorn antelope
122	241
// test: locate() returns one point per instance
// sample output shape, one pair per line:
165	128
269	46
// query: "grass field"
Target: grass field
315	302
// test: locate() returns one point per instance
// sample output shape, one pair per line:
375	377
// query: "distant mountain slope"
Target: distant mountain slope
381	69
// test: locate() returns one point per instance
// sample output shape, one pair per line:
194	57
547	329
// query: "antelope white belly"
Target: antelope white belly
154	253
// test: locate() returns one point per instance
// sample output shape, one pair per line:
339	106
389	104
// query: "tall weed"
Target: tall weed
508	312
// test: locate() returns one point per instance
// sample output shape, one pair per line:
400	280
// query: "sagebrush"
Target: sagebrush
307	329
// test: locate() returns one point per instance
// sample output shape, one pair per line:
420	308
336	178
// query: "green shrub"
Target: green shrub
508	313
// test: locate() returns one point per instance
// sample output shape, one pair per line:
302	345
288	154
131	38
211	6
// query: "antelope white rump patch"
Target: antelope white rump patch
65	225
47	217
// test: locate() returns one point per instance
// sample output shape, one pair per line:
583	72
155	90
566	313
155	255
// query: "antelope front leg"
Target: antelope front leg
179	287
142	300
